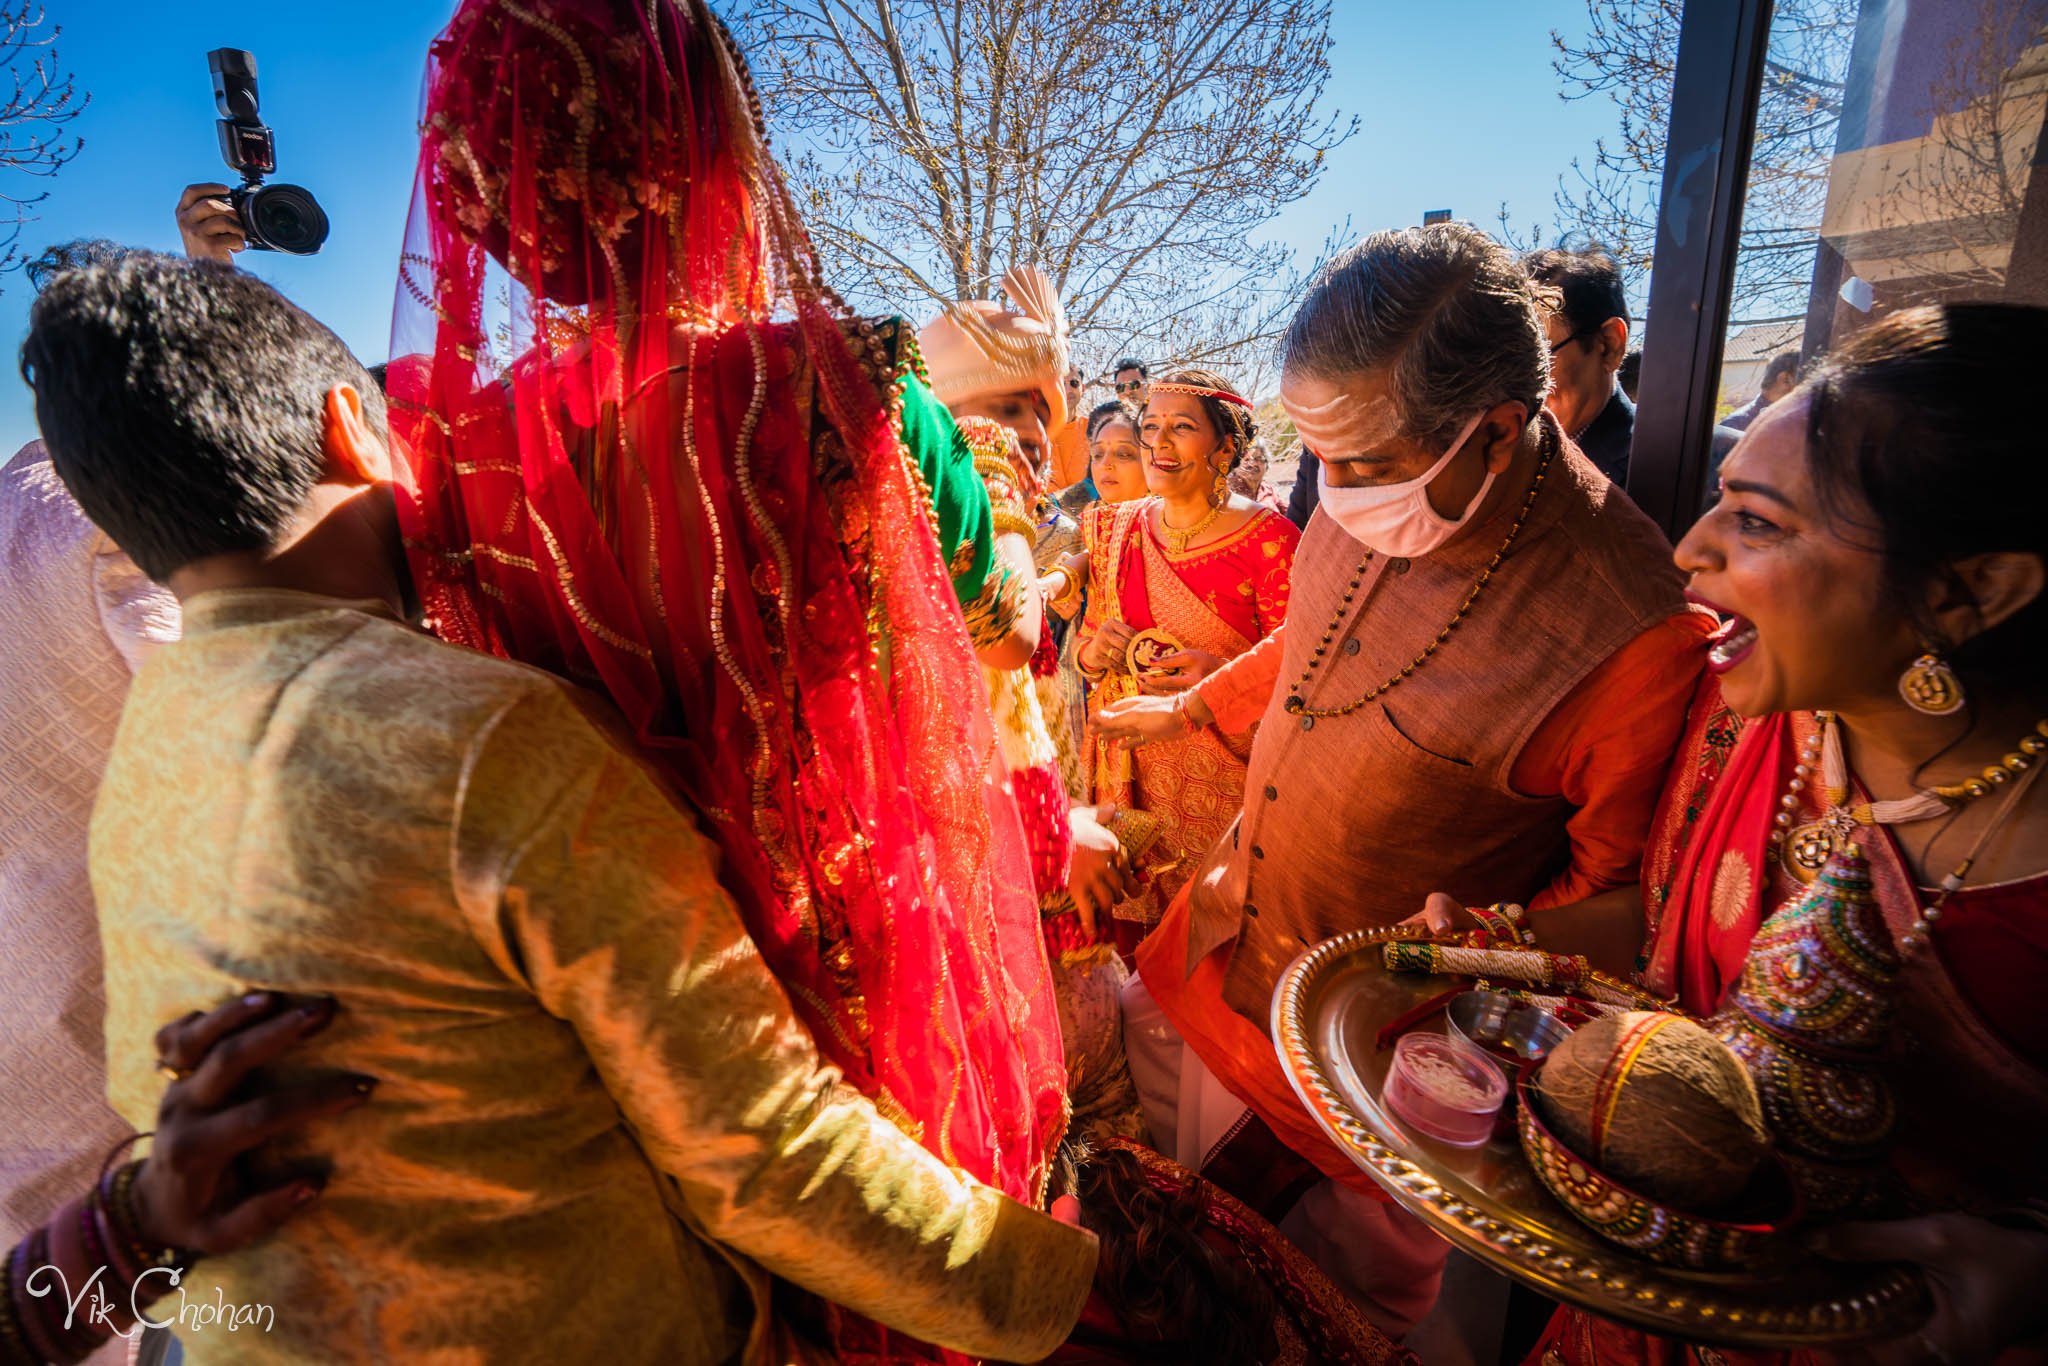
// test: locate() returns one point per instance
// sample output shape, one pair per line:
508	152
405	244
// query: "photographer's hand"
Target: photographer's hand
209	224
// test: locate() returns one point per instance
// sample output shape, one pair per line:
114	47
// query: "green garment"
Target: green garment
966	525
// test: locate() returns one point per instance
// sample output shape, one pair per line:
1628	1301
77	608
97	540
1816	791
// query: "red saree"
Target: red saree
1968	1062
1223	598
649	451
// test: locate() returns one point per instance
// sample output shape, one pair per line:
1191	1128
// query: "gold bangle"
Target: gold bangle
1009	523
994	612
994	467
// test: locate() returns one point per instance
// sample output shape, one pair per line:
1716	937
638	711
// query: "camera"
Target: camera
274	217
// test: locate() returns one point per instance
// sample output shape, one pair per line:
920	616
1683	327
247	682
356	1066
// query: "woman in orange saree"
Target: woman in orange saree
1178	584
1882	678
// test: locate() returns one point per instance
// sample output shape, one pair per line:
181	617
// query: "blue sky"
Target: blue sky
1458	103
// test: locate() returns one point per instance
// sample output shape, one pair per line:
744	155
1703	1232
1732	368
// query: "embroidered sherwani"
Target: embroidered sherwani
598	1123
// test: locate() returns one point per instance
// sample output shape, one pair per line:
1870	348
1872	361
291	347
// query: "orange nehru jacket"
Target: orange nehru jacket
1603	749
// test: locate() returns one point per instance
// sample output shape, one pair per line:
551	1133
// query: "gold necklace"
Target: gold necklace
1915	938
1297	701
1180	539
1806	850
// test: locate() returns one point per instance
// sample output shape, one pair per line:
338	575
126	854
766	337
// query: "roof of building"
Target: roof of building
1761	341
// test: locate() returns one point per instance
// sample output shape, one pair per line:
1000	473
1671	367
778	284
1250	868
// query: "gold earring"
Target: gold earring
1931	687
1219	490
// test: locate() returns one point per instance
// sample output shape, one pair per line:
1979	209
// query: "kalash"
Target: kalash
1810	1019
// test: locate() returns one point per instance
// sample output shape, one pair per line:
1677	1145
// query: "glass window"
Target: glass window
1894	158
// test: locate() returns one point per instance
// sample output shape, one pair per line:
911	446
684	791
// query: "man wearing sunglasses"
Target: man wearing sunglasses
1131	377
1588	335
1070	443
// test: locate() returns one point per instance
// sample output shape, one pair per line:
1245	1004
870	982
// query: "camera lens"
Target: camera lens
286	218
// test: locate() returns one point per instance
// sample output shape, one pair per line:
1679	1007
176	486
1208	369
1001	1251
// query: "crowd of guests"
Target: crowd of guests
680	821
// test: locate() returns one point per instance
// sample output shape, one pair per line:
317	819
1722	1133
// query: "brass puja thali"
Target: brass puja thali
1332	1009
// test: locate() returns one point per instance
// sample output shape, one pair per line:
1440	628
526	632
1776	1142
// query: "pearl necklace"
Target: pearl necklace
1806	850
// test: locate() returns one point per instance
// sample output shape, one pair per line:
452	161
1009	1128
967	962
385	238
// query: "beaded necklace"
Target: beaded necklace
1806	850
1297	701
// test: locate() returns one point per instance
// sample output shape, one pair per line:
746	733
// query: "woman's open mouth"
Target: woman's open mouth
1731	644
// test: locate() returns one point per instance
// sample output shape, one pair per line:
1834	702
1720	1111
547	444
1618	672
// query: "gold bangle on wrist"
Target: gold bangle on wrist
1013	523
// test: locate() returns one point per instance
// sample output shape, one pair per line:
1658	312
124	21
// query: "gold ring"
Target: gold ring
171	1073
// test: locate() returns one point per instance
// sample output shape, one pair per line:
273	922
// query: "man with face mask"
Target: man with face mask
1486	666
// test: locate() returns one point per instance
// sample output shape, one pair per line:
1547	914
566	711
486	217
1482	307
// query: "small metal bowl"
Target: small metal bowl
1512	1032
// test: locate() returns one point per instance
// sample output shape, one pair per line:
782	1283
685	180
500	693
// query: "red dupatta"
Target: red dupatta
1706	870
650	451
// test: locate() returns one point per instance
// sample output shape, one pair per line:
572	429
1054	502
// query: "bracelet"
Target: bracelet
13	1340
1501	925
1070	589
1013	523
994	612
124	1264
34	1253
75	1334
124	1221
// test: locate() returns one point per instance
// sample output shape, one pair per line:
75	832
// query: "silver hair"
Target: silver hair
1447	313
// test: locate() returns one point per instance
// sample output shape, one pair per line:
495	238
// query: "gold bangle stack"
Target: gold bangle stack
993	613
1009	523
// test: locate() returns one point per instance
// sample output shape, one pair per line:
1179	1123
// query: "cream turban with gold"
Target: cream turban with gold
980	347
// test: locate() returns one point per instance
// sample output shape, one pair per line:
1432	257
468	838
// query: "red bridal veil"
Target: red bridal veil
651	452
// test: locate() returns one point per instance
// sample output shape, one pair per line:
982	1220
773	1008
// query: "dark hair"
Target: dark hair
73	255
1918	435
183	403
1169	1285
1630	374
1589	281
1784	365
1445	311
1130	363
1102	414
1231	421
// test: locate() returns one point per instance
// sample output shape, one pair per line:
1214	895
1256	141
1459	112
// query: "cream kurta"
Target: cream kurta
568	1022
76	616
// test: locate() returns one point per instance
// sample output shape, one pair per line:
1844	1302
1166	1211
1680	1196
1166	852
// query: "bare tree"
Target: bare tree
1130	148
35	137
1629	54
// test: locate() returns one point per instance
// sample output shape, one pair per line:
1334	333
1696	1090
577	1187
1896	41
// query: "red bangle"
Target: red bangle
13	1341
28	1309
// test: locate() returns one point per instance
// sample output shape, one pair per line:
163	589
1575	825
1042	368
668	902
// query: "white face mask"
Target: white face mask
1396	519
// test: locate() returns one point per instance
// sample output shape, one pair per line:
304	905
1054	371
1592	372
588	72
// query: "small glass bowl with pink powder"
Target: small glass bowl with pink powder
1445	1089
